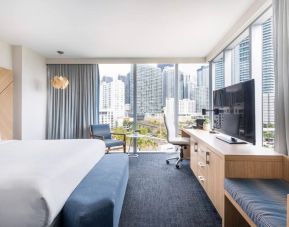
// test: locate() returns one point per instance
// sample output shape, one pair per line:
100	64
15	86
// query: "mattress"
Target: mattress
37	177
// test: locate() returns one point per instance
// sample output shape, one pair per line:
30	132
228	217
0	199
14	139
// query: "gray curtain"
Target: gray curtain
72	110
281	55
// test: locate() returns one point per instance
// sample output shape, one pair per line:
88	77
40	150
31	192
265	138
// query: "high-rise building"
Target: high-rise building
168	78
202	99
203	76
241	61
149	90
126	80
106	79
268	73
112	102
181	83
185	86
219	74
268	58
202	89
244	59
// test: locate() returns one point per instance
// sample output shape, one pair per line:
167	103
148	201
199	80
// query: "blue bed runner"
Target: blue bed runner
97	200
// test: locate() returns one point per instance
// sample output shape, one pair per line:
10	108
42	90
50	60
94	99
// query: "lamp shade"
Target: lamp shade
59	82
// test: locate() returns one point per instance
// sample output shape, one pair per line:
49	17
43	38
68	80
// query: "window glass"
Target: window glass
268	83
193	82
155	94
114	98
219	77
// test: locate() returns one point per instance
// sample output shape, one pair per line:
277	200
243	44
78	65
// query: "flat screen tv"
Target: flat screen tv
236	112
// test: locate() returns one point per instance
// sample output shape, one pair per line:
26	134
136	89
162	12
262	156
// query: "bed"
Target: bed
37	177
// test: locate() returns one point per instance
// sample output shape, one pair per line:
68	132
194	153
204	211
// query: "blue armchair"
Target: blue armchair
102	131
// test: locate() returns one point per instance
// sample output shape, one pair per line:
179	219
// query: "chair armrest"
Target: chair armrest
119	134
97	137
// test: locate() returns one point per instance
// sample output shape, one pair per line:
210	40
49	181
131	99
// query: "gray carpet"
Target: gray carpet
160	195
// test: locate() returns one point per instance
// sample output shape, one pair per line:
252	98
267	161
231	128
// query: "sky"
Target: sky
114	70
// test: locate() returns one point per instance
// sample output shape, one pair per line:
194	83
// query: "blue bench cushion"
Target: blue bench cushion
97	200
113	142
264	201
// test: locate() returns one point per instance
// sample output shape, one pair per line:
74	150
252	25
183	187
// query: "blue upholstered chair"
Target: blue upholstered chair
102	131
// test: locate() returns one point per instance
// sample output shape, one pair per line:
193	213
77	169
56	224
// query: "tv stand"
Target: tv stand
230	140
211	160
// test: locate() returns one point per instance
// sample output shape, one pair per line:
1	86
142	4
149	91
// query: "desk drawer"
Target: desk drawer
203	174
202	151
203	154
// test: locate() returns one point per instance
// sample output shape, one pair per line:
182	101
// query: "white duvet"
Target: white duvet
37	177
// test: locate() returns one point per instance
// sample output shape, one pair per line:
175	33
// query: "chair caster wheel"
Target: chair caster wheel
177	166
167	161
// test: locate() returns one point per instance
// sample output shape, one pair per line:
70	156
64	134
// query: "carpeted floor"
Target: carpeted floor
159	195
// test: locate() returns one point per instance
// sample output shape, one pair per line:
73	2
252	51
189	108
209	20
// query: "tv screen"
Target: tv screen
236	105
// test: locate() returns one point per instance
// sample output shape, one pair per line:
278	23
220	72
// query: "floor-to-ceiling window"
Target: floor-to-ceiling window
268	83
114	97
155	94
250	56
193	92
159	90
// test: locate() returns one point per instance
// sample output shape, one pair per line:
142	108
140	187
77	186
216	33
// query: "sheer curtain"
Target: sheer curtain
281	55
72	110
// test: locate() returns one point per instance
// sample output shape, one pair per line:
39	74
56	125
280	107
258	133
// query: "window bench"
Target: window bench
254	202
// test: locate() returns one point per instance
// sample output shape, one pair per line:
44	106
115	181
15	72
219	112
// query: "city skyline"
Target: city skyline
156	86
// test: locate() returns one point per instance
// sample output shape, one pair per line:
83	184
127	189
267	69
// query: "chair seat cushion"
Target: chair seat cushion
113	142
180	141
264	201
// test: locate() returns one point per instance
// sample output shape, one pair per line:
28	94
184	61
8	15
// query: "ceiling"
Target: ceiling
119	28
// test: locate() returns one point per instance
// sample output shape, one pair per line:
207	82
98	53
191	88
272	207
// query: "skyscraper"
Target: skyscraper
202	89
168	78
219	74
149	90
241	61
126	80
268	78
203	76
112	101
244	59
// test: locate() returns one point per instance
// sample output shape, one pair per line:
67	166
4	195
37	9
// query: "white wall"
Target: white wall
34	95
5	55
30	94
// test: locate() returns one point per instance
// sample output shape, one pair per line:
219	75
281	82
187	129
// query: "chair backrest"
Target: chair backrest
101	130
170	126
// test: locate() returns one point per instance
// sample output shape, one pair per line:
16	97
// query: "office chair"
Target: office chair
181	142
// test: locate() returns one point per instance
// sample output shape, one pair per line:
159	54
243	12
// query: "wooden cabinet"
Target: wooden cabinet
208	167
216	181
193	155
212	160
6	104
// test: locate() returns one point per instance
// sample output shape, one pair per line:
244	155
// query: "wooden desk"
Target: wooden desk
212	160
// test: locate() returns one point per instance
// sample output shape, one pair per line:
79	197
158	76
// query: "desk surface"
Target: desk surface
226	149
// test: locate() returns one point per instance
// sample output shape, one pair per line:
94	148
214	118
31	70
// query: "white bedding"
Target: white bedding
37	177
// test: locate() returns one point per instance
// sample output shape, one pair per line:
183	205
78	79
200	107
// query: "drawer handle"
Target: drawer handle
201	164
195	147
201	178
207	157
